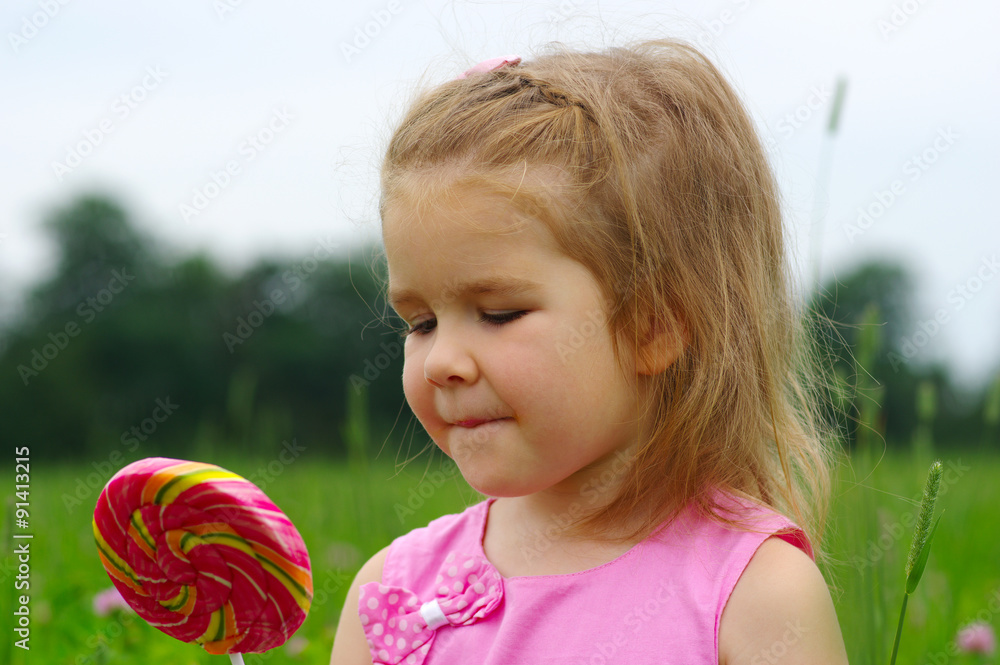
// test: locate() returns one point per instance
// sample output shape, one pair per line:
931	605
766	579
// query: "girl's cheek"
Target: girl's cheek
410	376
410	380
419	394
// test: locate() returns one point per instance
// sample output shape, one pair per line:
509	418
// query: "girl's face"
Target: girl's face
509	365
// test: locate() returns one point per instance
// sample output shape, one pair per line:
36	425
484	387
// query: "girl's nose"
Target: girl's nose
448	361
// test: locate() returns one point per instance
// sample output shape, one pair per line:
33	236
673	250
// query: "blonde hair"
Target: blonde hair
667	197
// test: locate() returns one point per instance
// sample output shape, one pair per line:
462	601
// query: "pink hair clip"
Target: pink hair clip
490	65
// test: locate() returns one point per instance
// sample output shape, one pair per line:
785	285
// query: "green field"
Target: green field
346	512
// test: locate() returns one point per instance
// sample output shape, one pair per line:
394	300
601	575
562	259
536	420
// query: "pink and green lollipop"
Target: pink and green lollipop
203	555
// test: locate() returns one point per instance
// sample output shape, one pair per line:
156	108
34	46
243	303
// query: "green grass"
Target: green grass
865	566
869	539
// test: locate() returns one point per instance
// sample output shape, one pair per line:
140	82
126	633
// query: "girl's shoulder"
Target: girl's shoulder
726	529
779	606
755	568
741	518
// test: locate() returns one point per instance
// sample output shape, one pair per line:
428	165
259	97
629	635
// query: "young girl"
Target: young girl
587	251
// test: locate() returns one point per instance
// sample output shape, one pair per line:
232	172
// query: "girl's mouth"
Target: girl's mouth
476	422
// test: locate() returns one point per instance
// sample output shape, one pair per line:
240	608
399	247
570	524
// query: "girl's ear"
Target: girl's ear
660	343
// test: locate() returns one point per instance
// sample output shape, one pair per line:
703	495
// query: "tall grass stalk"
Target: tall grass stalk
356	433
820	203
240	406
867	402
920	548
991	415
926	404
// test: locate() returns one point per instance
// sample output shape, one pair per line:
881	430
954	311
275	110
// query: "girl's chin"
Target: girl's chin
490	482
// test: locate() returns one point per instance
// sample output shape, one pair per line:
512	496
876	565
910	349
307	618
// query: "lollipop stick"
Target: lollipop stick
237	658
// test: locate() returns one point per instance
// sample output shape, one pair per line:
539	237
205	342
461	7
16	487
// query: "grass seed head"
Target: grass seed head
922	532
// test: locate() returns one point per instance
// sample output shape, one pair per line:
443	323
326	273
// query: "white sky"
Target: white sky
225	67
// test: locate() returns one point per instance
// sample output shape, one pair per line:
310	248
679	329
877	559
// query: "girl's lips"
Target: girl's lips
478	421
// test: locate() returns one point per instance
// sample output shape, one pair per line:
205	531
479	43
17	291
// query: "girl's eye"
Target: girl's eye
421	328
501	318
498	319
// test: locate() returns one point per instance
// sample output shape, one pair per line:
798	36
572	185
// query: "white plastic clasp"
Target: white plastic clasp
432	614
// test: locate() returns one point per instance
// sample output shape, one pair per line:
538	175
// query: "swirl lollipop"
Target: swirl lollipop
203	555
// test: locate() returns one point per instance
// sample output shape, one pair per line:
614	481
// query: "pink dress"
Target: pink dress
441	602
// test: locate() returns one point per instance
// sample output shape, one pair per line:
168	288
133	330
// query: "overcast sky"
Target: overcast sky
153	102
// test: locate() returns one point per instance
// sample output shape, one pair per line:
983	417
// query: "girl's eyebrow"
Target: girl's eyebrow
498	285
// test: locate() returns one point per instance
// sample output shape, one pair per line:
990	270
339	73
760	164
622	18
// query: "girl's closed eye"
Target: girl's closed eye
500	318
420	328
491	318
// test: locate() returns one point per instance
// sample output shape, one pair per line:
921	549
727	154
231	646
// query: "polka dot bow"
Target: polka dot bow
400	627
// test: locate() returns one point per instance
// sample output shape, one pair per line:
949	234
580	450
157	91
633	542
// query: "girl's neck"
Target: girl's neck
527	544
